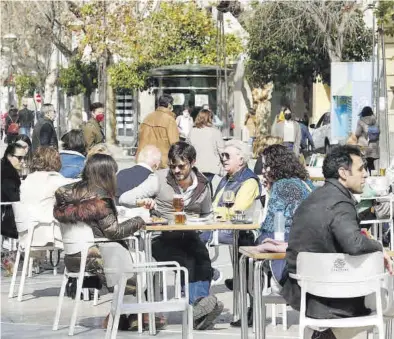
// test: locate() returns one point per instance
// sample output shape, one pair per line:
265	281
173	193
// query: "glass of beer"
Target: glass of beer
382	172
180	218
178	203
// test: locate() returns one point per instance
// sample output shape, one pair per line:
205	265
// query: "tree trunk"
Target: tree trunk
262	106
50	83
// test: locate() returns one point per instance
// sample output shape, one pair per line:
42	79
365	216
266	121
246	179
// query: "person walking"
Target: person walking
367	133
185	124
159	129
93	131
289	130
208	142
26	120
44	133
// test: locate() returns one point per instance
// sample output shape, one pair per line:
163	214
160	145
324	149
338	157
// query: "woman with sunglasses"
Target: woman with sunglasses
11	163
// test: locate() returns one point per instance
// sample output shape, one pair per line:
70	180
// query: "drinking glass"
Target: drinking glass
228	200
178	203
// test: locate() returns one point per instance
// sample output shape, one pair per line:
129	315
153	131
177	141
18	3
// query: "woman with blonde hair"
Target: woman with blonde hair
208	142
99	149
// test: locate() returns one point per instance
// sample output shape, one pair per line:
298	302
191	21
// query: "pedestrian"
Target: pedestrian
160	129
289	130
208	142
44	133
367	133
26	120
93	130
12	124
185	124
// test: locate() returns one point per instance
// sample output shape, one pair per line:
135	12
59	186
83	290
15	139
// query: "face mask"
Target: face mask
100	117
288	116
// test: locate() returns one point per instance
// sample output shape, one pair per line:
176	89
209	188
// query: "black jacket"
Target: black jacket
44	134
10	184
26	118
326	222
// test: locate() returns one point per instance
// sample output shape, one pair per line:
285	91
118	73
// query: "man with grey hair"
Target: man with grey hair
44	133
140	181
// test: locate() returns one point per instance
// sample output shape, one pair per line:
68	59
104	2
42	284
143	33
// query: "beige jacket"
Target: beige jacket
278	131
159	129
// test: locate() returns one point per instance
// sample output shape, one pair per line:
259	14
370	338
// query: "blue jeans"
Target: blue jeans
197	290
25	131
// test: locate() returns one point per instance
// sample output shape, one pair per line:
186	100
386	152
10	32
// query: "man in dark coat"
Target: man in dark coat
44	133
26	120
327	222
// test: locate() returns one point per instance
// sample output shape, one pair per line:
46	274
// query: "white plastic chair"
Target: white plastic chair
76	238
118	270
332	275
26	224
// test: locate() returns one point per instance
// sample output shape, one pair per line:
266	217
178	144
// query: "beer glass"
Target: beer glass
179	218
178	202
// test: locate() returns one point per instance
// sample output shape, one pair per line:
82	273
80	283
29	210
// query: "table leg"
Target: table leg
258	301
149	281
235	276
243	297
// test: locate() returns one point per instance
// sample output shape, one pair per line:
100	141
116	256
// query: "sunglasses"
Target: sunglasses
181	167
225	155
19	157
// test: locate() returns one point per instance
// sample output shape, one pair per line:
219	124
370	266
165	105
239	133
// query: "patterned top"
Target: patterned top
285	196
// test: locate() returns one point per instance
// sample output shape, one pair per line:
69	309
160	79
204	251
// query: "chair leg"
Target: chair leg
60	301
77	300
301	330
31	262
95	298
24	272
273	314
110	325
190	322
284	317
380	329
85	292
184	324
119	301
14	274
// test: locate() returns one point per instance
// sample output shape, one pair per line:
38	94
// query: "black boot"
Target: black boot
327	334
250	319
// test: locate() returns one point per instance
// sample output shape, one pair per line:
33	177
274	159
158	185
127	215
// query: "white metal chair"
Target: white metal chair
333	275
76	238
27	224
118	268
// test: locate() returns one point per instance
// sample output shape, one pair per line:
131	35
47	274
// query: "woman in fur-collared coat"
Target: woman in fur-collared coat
91	201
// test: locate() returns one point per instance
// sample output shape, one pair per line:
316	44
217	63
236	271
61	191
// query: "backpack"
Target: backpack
373	133
13	128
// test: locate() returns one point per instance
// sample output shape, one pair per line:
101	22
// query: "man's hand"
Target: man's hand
147	203
388	263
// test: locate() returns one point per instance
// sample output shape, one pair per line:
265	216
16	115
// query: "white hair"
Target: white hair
149	155
242	148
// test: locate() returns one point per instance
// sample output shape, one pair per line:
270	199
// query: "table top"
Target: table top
251	252
203	227
317	178
390	253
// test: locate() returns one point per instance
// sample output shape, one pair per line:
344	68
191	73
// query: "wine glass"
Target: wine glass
228	200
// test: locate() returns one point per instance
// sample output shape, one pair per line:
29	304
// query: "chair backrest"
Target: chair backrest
25	216
337	275
117	260
76	237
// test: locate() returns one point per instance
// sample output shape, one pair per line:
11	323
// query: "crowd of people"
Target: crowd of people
181	157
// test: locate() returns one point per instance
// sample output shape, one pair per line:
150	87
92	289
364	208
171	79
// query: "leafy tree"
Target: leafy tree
385	14
25	85
169	34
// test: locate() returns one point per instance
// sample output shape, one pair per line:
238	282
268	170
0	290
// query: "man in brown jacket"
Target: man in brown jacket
92	131
159	129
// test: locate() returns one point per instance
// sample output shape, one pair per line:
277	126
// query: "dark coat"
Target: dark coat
44	134
10	184
326	222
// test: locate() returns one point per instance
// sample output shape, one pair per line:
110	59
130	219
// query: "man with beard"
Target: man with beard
182	178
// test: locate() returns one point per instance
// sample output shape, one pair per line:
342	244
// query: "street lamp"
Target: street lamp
10	40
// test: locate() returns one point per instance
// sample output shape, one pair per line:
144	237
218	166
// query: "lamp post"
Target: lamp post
10	39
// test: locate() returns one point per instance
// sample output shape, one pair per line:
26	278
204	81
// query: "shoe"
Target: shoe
327	334
202	307
250	319
229	284
208	321
217	277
